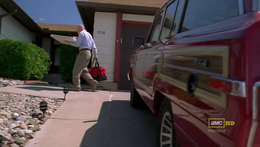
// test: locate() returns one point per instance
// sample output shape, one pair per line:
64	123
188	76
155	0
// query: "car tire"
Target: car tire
163	126
136	100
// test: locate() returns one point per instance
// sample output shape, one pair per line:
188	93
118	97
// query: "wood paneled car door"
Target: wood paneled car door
192	58
153	54
164	26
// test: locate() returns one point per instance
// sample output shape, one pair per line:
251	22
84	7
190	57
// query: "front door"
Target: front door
128	33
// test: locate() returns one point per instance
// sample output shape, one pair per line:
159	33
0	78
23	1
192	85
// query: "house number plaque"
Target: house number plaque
101	32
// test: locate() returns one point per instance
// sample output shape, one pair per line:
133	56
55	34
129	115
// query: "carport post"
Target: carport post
4	15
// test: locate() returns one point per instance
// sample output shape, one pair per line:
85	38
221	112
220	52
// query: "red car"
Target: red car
199	73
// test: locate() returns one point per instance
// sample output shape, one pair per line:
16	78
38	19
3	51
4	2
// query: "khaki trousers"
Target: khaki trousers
80	68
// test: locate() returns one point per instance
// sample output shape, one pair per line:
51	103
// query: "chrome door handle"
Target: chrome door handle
165	41
148	45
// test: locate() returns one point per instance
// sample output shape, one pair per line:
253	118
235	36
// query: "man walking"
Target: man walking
85	43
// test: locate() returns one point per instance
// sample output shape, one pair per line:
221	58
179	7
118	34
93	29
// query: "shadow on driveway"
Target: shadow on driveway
120	125
41	87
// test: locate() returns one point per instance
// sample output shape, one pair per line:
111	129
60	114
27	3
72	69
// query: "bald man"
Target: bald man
85	43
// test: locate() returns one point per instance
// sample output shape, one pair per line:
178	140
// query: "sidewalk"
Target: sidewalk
91	119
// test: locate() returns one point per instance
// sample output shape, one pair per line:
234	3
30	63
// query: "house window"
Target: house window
56	56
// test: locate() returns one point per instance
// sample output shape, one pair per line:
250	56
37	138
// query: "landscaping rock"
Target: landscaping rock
20	117
19	140
10	82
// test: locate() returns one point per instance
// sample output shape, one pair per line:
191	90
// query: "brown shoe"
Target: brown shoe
95	87
74	89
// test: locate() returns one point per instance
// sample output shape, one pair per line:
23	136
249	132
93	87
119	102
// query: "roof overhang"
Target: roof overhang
87	10
47	33
107	7
10	6
59	29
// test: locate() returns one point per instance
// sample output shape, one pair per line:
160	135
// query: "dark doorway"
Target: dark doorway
128	32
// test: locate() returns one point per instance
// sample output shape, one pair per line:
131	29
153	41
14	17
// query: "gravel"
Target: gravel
20	115
10	82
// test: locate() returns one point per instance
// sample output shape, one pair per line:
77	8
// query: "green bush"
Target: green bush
67	56
23	60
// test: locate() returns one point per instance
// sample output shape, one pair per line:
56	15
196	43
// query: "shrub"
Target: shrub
67	56
23	60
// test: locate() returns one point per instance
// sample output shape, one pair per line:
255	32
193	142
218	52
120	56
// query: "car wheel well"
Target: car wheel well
158	96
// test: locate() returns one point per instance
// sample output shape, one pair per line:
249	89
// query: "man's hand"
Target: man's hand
75	38
95	58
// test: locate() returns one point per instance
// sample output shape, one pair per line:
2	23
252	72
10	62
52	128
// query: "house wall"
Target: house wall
12	29
105	36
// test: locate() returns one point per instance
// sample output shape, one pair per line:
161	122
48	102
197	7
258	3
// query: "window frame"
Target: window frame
241	7
182	6
186	2
256	5
55	52
165	11
152	28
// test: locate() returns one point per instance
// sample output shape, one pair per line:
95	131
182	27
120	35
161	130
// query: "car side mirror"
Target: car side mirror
138	41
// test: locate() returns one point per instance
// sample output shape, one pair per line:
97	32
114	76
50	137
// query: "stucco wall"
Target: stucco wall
12	29
104	36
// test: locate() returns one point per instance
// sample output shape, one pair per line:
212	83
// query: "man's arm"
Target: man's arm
94	49
78	41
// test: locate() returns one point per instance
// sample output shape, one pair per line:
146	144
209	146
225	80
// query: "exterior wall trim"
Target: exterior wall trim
135	23
119	26
118	48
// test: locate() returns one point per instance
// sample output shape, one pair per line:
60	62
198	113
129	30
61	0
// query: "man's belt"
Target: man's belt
84	49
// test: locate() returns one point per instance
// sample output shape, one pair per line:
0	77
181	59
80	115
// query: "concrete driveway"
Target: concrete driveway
91	119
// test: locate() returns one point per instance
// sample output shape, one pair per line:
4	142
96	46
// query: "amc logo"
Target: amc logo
219	123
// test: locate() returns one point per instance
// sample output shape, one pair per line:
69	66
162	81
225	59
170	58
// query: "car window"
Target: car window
156	28
256	5
169	21
200	13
